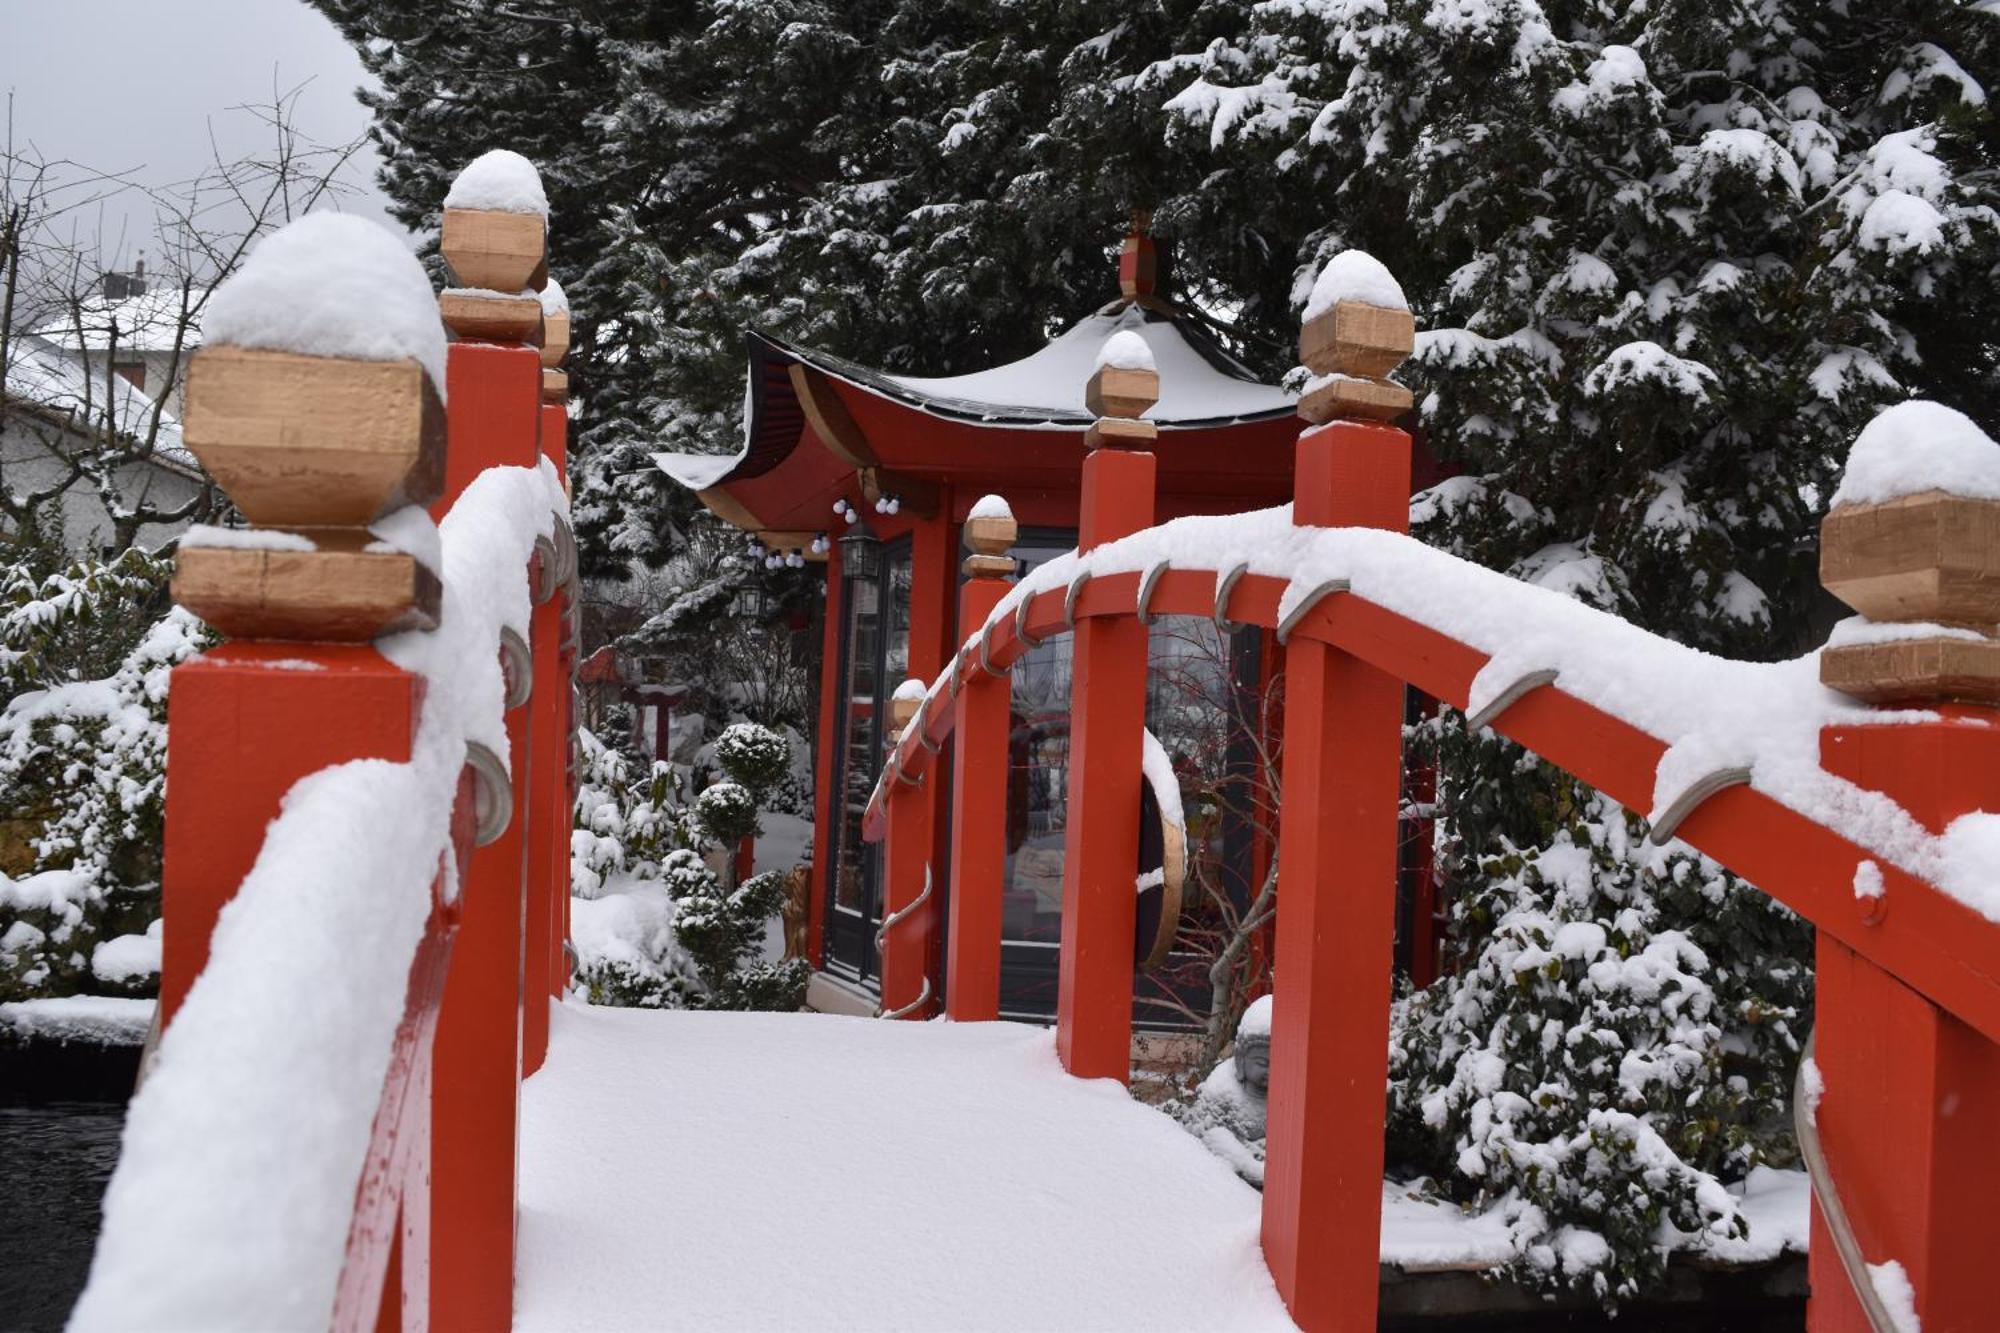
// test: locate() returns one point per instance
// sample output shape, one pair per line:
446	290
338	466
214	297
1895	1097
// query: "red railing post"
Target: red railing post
1107	720
979	765
1910	1094
548	729
495	417
1337	832
906	857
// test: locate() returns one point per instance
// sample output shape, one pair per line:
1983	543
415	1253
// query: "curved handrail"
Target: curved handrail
1937	944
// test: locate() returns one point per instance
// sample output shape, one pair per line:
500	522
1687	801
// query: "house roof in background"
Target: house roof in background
60	383
143	323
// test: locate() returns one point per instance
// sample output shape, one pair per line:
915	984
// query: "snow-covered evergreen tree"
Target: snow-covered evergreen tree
85	655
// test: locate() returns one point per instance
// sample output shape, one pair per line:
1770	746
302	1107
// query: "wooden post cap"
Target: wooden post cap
991	534
1115	391
481	316
1929	557
348	595
500	252
555	386
1915	670
1340	396
903	707
1357	339
307	441
1120	433
555	337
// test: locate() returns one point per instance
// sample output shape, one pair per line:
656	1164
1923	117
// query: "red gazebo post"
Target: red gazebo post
979	763
1107	719
495	421
1337	831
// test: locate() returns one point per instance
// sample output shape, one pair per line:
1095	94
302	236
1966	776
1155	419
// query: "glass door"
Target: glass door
875	656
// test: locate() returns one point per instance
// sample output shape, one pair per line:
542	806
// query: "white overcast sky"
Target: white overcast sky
137	85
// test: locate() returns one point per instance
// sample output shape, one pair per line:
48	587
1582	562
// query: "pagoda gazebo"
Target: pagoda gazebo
874	474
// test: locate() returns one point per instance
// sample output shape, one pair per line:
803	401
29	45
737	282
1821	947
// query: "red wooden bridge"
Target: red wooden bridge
367	878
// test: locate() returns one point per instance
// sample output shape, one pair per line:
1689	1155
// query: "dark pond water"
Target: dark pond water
55	1159
61	1111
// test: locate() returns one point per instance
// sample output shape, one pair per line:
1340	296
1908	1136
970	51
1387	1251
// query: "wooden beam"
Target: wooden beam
729	509
915	494
829	417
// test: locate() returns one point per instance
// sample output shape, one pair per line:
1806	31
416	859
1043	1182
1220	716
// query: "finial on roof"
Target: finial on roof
1139	258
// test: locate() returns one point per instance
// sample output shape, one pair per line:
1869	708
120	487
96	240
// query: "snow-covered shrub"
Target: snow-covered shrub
752	755
727	811
656	923
1619	1043
85	657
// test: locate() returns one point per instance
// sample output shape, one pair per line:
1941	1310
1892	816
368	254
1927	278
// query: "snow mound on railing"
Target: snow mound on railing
331	285
233	1194
1712	713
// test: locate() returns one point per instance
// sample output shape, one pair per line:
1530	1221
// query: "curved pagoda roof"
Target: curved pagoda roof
816	424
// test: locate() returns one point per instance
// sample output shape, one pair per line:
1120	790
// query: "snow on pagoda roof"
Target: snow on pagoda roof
1199	383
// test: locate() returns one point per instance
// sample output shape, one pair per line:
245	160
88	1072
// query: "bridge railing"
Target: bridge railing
368	817
1867	821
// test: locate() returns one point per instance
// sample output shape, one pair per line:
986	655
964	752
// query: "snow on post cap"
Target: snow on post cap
1125	350
500	181
335	286
1919	446
555	301
990	506
910	689
1355	275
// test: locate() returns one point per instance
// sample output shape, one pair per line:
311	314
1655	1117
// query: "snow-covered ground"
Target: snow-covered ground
751	1171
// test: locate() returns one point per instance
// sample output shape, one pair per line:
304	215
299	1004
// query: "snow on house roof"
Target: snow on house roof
61	382
1199	383
147	322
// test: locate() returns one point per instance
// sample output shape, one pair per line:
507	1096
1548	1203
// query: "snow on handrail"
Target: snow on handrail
1711	714
232	1200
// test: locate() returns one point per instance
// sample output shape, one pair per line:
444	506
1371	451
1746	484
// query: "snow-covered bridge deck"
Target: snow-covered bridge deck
764	1171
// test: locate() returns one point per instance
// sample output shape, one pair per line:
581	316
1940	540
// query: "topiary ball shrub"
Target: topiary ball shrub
755	756
727	812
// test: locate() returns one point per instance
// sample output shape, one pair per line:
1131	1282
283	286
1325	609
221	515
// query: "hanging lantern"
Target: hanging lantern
749	603
860	553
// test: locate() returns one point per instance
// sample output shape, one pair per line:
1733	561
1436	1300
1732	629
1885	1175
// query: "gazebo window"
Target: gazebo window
875	656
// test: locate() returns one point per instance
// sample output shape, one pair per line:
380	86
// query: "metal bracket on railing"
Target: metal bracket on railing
1069	600
517	668
1307	603
565	544
1832	1210
986	651
1021	624
1223	587
545	566
1507	698
921	722
1692	796
890	922
492	794
1147	585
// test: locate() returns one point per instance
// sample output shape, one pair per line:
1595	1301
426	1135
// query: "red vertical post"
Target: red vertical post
1336	922
979	769
494	421
933	608
240	732
906	855
1910	1094
549	815
1101	835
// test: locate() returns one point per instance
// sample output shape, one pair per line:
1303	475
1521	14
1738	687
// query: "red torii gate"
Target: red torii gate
1909	999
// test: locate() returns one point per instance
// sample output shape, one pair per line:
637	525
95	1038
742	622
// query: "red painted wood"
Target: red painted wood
905	956
549	823
1336	929
240	733
560	804
1911	1098
978	822
1101	831
494	420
